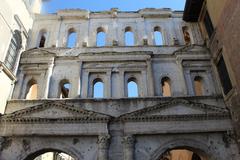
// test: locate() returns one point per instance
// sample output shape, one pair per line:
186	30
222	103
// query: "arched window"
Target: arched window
50	154
158	38
98	88
186	35
54	155
129	37
13	50
32	90
101	37
42	38
72	38
198	86
132	88
64	88
166	87
180	154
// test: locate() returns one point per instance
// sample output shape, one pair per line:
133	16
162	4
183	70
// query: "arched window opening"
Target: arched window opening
129	37
198	86
166	87
180	154
64	89
101	37
13	50
132	88
54	156
42	41
32	90
98	88
50	154
158	38
186	35
72	38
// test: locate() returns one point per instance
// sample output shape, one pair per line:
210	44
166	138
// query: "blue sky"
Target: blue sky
99	5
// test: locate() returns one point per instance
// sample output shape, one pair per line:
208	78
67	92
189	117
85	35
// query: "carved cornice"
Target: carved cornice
56	120
192	117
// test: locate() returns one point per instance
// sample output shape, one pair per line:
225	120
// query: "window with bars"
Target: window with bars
13	50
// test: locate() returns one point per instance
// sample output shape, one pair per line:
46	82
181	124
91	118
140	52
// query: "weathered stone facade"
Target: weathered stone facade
116	127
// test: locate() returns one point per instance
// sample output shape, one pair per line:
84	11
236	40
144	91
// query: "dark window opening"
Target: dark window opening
42	41
208	24
224	76
64	89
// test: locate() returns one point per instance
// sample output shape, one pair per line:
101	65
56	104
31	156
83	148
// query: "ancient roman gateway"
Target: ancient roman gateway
72	95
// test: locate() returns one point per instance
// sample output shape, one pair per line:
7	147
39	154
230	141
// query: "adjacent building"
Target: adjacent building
16	20
219	23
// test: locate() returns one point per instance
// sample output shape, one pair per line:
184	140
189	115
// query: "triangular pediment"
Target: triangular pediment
191	48
55	110
37	51
177	107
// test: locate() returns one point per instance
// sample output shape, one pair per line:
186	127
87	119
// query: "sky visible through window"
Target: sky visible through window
51	6
72	40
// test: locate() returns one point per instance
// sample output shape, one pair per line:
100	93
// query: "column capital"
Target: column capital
128	140
103	140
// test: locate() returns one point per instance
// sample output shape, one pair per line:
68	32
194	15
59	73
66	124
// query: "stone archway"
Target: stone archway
34	155
199	148
39	149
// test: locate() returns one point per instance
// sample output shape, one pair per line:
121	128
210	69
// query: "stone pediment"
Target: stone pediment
38	51
55	111
191	48
177	109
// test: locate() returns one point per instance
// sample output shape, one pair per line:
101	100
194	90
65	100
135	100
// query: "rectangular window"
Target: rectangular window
208	24
11	55
224	76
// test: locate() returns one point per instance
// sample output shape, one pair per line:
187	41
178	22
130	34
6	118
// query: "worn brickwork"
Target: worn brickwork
227	38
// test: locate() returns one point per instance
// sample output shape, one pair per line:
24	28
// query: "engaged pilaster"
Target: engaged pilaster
128	147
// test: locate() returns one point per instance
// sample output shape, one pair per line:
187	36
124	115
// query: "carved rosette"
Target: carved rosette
103	145
128	147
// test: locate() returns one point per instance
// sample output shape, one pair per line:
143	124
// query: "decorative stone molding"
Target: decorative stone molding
4	143
229	137
145	42
26	145
115	43
84	44
128	147
103	145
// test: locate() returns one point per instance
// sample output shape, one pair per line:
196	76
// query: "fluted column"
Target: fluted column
103	145
128	147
